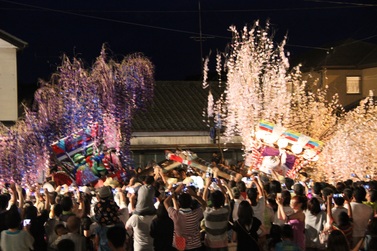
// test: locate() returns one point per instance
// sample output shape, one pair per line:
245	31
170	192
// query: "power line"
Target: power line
195	11
164	28
344	3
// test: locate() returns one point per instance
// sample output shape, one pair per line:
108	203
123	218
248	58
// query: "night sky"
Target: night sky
165	30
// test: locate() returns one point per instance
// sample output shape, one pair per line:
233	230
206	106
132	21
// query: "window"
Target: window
353	84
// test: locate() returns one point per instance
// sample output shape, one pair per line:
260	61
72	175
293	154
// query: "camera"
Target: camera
338	195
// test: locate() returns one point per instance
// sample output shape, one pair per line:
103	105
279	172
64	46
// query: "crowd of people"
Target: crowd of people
149	212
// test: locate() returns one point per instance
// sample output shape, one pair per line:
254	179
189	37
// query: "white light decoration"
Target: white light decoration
260	135
282	143
296	148
259	85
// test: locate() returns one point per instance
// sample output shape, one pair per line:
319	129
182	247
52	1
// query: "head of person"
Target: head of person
58	210
30	212
4	201
185	200
348	193
298	203
116	236
314	206
275	187
60	229
241	186
245	213
372	195
339	201
326	191
149	180
66	245
317	187
289	183
286	196
66	203
217	198
344	219
105	193
73	224
13	218
252	195
337	241
359	194
340	186
299	189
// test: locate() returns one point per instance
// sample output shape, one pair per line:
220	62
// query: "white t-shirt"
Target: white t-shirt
20	240
259	209
361	214
141	227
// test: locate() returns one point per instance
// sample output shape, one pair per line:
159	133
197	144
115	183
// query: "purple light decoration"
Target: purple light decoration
108	94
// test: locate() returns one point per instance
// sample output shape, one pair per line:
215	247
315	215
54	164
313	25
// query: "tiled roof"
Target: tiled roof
349	54
20	44
177	106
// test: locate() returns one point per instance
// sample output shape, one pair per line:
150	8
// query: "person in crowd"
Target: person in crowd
275	187
145	195
316	192
338	206
371	200
50	225
14	239
361	214
186	219
216	218
4	201
66	245
67	206
247	228
140	225
315	220
117	238
274	237
296	220
73	227
106	216
162	230
287	243
286	200
370	240
299	189
242	187
37	229
257	199
343	220
338	242
59	230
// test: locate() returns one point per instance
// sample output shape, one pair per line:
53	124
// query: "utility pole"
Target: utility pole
201	38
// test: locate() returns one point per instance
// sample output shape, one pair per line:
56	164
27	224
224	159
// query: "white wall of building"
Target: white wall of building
8	82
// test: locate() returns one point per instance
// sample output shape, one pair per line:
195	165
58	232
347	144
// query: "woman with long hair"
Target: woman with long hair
247	228
337	242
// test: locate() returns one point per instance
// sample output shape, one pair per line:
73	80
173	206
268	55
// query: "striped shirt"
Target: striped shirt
187	225
216	223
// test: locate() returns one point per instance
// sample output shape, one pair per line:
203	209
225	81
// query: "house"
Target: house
349	69
174	120
9	45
